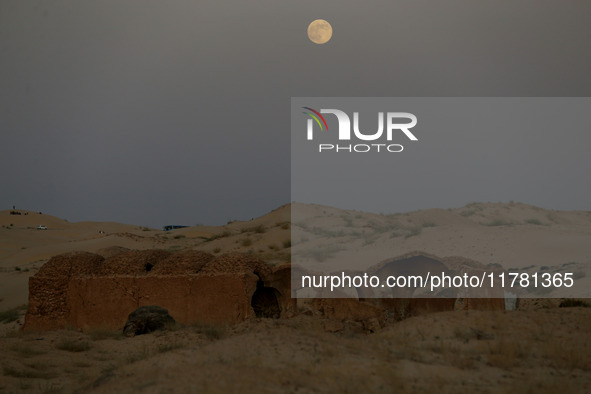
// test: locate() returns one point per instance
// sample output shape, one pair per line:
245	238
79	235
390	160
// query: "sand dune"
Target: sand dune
510	234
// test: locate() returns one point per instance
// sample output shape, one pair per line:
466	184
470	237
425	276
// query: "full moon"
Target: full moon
320	31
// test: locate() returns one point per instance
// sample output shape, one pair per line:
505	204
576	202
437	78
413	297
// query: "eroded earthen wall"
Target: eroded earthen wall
107	301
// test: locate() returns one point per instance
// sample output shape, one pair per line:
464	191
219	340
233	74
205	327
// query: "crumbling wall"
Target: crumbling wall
105	301
85	290
49	307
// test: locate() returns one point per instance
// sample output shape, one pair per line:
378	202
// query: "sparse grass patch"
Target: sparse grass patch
413	231
9	370
497	223
223	234
321	254
505	354
463	335
552	217
442	347
217	250
566	357
74	346
11	314
38	366
108	369
246	242
535	222
101	333
211	332
10	333
167	347
429	224
466	335
50	388
461	361
369	238
179	237
143	354
27	351
260	229
287	243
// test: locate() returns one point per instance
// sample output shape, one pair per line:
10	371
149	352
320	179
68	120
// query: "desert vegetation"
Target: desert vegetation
448	351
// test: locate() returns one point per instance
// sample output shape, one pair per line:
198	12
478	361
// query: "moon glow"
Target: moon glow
320	31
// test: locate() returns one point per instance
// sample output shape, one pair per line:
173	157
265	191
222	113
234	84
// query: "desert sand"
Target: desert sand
537	348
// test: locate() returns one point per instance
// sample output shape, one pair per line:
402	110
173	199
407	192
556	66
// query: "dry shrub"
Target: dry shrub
102	333
211	332
505	354
38	372
562	356
26	350
74	346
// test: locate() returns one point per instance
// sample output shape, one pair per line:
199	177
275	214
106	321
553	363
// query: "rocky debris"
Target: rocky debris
134	262
147	319
188	262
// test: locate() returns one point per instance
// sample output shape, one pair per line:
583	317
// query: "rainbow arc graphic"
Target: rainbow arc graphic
316	116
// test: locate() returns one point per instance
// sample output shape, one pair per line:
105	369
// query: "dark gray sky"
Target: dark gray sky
153	112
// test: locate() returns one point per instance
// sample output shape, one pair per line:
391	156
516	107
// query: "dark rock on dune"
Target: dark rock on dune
147	319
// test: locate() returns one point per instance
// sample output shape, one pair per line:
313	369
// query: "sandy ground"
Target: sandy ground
541	351
539	348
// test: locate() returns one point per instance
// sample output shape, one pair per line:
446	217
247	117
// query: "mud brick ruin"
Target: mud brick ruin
83	290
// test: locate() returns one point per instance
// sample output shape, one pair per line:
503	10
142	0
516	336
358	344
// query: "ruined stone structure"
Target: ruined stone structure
86	290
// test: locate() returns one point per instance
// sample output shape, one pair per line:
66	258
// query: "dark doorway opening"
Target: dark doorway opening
264	301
